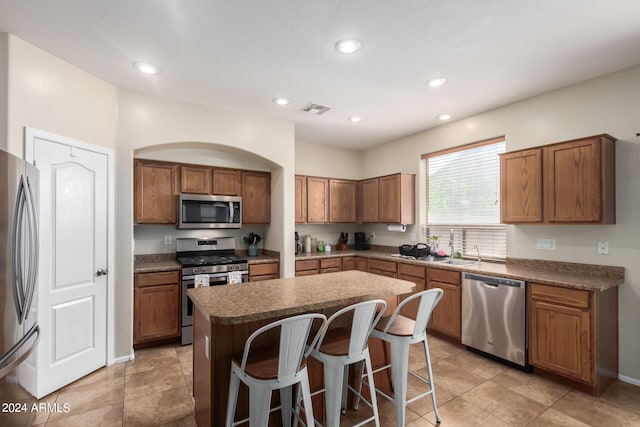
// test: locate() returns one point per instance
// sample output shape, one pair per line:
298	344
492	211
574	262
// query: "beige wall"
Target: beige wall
610	104
327	161
4	90
47	93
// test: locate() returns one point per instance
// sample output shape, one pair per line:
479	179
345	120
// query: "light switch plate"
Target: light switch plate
603	248
546	244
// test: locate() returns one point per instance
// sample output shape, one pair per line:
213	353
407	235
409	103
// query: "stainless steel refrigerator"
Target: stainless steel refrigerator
18	271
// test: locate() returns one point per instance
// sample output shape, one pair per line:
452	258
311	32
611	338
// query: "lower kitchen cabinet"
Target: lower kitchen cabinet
383	268
417	275
156	313
354	263
446	317
574	333
307	267
265	271
330	265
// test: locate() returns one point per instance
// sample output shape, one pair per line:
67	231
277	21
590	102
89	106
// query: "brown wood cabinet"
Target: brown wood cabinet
195	179
227	182
155	190
300	199
396	199
416	274
521	186
256	197
368	200
574	333
383	268
342	201
567	182
317	200
354	263
330	265
156	313
307	267
264	271
446	317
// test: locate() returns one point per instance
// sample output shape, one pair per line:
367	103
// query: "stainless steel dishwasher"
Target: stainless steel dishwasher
494	317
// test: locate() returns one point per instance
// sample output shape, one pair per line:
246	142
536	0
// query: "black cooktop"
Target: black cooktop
198	260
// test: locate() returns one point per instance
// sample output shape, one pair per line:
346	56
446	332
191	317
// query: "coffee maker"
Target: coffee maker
361	241
298	244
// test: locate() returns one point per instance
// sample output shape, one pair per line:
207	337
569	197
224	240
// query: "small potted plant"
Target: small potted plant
252	240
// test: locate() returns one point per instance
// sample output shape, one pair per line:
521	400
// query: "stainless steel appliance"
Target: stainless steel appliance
494	317
211	260
19	330
205	211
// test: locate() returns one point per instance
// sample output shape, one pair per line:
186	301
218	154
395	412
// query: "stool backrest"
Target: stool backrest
428	300
365	317
294	333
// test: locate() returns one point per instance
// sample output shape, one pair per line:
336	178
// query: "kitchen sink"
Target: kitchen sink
457	262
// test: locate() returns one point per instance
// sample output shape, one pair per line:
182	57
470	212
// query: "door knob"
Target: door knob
102	272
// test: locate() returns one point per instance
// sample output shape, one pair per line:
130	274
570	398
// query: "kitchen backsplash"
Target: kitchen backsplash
150	239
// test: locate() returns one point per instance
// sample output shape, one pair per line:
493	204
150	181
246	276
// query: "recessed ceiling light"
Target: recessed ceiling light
436	82
348	45
444	117
146	68
355	119
281	101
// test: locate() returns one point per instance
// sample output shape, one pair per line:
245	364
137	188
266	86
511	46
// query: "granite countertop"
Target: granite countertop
570	275
235	304
151	263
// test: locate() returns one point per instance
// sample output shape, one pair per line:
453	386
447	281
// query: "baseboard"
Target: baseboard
123	359
630	380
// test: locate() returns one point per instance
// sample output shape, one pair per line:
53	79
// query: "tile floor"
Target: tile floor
154	390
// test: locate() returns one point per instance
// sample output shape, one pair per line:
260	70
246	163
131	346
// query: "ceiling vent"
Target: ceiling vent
315	108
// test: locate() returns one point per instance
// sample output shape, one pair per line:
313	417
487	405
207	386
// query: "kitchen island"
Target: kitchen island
225	316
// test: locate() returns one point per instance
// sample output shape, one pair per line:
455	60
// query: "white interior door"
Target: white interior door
72	295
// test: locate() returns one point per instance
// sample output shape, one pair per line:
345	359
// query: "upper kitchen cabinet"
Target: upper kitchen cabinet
256	197
317	200
227	182
342	201
195	179
396	199
368	202
301	199
521	186
568	182
579	181
155	192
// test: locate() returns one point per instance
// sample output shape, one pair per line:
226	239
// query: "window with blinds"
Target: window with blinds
463	194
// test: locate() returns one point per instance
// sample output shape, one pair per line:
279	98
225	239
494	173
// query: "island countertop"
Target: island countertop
246	302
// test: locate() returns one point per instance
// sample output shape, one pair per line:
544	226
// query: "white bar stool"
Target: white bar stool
341	346
278	367
400	332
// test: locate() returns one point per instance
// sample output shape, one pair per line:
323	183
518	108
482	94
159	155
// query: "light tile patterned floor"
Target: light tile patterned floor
155	390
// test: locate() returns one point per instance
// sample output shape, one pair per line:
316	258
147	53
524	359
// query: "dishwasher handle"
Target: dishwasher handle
493	282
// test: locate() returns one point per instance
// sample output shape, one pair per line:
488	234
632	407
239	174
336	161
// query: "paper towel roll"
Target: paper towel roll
396	227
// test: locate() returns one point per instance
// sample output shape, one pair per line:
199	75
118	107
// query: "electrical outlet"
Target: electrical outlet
546	244
603	248
372	235
167	240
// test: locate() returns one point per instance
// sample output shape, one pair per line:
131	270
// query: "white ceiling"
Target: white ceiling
238	55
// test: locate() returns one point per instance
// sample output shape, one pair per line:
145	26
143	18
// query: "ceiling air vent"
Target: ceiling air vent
315	108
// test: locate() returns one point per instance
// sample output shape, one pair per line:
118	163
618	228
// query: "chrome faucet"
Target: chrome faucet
452	254
478	251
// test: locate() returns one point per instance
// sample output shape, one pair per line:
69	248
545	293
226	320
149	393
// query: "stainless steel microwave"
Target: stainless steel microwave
204	211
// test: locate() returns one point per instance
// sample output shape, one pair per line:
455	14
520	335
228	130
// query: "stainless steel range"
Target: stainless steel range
206	262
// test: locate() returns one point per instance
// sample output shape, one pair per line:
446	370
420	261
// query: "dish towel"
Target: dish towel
201	281
235	277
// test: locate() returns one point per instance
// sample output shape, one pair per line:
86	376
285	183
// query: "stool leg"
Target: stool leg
259	402
306	397
285	405
427	358
234	384
333	381
372	389
359	376
399	369
345	380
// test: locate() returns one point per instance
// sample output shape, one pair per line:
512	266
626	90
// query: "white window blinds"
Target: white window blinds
463	194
